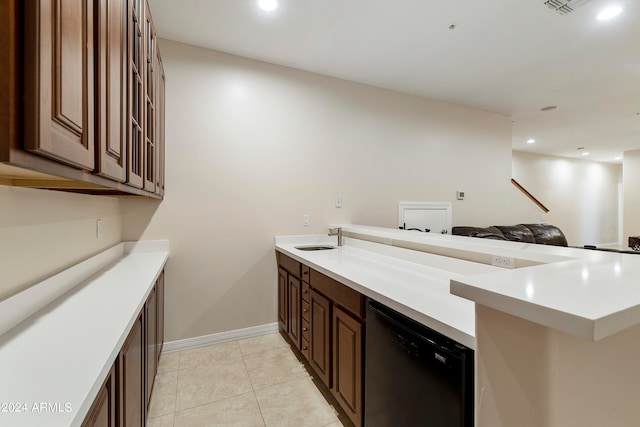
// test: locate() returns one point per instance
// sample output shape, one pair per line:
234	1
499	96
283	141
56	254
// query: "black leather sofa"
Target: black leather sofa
543	234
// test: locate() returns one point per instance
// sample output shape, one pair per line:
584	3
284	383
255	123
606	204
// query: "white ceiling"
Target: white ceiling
508	56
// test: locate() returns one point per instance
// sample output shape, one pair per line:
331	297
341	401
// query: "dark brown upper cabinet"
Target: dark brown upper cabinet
59	81
111	72
81	97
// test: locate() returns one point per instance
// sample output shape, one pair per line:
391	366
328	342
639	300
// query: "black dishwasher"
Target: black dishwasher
414	376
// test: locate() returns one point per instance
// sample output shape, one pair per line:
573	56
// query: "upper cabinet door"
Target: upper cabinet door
160	115
111	54
59	81
135	93
150	147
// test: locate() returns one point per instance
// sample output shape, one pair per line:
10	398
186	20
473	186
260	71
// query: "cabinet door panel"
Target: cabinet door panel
135	92
151	335
160	114
111	85
103	410
150	148
320	342
347	364
283	300
160	316
295	317
131	374
59	81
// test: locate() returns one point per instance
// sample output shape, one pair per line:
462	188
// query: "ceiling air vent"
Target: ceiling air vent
565	7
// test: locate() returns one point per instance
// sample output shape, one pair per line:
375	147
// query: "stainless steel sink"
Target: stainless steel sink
315	247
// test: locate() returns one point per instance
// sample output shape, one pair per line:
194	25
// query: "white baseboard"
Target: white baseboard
189	343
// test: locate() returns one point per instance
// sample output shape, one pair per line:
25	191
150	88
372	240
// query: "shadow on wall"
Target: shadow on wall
137	217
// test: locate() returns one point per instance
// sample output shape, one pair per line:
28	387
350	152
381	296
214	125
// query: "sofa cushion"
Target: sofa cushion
546	234
482	232
517	233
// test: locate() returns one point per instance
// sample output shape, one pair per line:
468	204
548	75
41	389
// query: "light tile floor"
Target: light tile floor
250	382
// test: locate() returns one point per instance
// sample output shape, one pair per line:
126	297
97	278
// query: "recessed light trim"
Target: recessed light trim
609	13
549	108
268	5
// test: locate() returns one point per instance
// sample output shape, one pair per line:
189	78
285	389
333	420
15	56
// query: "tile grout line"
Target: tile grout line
251	381
253	389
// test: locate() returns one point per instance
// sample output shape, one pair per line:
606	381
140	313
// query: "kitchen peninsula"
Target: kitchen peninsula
556	338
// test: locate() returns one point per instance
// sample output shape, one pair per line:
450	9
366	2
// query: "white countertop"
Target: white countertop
61	354
585	293
413	283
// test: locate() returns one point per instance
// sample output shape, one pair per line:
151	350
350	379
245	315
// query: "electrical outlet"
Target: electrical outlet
98	228
305	220
338	200
503	261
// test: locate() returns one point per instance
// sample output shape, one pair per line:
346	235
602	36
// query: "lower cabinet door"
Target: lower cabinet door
103	411
151	345
295	315
347	364
320	336
131	388
283	300
160	317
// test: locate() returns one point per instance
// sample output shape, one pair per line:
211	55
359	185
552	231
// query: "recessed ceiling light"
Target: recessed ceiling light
549	108
586	153
618	158
609	13
268	5
531	141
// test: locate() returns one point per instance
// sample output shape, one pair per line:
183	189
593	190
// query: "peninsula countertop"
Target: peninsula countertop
413	283
585	293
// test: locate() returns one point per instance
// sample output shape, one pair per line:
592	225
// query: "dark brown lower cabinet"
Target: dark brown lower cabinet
324	319
295	315
131	389
348	364
320	336
160	317
103	411
151	330
283	300
124	398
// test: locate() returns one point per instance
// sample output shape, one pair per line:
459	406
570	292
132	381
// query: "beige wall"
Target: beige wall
581	195
43	232
251	147
631	179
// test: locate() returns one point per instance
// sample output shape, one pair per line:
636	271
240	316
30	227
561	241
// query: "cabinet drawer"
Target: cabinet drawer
304	348
305	273
340	294
305	289
305	311
289	264
305	330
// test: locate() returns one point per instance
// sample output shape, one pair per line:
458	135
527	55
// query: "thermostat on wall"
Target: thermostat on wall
460	195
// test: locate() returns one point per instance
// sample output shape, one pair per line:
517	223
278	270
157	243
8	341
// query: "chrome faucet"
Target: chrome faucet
336	232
